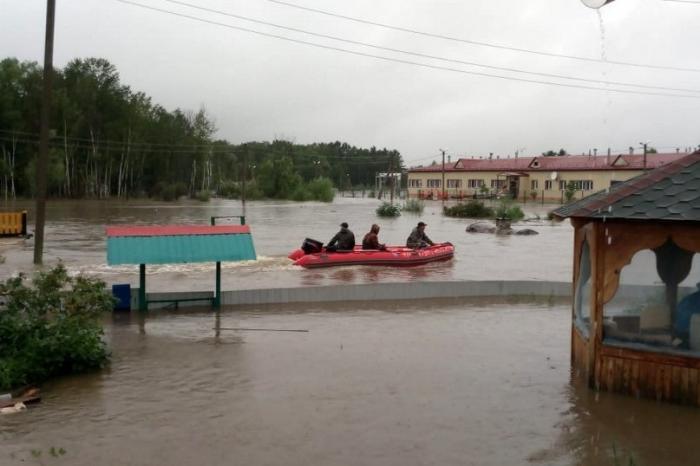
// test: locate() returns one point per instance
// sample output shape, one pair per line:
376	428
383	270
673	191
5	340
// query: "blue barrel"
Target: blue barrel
122	294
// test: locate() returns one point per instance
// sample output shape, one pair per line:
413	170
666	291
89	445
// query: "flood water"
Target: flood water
450	382
75	235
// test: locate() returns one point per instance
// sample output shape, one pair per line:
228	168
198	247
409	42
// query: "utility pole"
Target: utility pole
391	179
43	159
645	155
245	174
443	176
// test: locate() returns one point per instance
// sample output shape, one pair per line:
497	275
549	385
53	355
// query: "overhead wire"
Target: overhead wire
425	55
58	144
408	62
488	44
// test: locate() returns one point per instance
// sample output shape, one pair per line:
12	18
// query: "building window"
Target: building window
415	183
534	184
433	184
498	184
454	183
579	185
547	184
475	184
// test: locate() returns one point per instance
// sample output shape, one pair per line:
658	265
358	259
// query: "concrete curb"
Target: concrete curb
371	292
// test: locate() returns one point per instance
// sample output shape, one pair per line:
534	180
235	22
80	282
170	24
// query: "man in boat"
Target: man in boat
371	239
344	240
418	239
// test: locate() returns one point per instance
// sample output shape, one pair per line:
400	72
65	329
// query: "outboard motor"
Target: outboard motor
311	246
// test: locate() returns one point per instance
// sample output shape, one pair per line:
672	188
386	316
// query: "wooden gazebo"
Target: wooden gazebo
636	307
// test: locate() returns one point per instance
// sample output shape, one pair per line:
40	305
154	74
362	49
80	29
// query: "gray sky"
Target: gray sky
259	88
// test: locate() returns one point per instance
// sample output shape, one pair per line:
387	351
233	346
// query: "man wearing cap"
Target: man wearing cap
345	240
418	238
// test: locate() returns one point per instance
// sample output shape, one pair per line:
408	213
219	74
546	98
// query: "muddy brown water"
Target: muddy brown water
444	382
75	234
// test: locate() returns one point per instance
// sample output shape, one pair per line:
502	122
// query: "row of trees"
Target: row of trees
108	140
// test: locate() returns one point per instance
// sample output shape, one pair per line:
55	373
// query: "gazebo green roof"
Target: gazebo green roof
668	193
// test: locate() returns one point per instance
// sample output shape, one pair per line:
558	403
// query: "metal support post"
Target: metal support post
217	296
143	305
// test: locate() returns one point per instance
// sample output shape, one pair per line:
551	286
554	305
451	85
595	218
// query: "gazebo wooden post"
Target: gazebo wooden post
599	247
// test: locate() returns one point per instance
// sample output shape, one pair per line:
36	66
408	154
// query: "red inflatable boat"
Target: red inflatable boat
393	256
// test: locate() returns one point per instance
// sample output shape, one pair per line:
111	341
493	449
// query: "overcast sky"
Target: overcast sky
260	88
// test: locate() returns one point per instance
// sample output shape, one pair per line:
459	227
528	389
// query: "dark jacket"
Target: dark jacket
418	239
371	241
345	239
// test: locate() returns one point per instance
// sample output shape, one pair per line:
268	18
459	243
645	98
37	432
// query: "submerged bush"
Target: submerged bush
229	190
202	196
300	194
509	211
320	189
471	209
413	205
388	210
51	327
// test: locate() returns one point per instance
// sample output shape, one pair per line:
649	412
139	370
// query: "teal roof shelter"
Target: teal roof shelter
173	244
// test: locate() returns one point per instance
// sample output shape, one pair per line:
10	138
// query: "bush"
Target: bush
252	191
202	196
471	209
300	194
321	189
51	327
509	211
170	191
388	210
413	205
229	190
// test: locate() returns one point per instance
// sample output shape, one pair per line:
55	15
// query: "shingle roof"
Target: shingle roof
564	163
671	192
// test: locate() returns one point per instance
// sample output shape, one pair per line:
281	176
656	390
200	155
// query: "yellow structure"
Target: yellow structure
13	223
530	178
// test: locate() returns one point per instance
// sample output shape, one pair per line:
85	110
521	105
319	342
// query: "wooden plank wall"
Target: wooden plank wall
647	375
579	351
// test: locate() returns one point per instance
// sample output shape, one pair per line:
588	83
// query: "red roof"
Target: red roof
563	163
176	230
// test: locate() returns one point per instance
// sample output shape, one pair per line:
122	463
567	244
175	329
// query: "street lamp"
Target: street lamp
596	3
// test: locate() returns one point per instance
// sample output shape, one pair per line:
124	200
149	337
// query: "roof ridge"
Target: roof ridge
588	206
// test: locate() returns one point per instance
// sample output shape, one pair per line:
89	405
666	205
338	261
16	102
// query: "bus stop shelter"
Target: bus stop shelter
178	244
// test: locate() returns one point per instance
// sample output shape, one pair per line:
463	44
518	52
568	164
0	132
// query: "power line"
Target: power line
424	55
57	144
487	44
407	62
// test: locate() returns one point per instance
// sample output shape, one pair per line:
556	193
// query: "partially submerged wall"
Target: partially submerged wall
368	292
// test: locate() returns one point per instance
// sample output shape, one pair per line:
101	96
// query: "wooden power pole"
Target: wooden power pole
43	159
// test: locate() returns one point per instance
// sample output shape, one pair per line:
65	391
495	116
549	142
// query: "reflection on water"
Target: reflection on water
446	382
75	235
